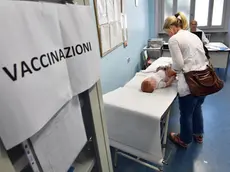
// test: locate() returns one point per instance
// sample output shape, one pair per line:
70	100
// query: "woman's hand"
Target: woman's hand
169	72
170	81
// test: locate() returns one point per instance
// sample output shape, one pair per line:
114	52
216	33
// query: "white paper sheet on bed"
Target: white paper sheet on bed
133	118
162	61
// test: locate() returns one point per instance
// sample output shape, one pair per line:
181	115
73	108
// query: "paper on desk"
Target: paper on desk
105	37
216	46
58	144
115	34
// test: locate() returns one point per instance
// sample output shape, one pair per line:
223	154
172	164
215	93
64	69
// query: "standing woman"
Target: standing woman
187	55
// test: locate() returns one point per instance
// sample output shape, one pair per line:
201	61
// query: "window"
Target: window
184	6
208	13
201	12
168	8
217	13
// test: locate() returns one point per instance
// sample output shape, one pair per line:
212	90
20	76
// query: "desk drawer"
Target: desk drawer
219	59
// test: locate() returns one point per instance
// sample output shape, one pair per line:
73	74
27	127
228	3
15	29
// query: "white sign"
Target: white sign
46	59
61	140
78	26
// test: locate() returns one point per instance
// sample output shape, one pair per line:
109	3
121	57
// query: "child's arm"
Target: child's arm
170	72
167	82
170	81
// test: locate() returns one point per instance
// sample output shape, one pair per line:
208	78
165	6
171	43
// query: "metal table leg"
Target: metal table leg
138	160
226	69
115	158
165	137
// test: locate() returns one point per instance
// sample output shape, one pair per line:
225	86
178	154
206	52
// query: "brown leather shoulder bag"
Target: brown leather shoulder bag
203	83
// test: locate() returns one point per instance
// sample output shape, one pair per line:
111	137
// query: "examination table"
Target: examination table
137	122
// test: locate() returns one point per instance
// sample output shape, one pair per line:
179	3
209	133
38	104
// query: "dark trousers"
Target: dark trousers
191	117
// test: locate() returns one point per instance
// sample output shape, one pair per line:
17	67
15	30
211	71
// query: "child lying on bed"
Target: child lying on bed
162	78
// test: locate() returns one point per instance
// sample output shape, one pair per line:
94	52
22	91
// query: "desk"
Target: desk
218	52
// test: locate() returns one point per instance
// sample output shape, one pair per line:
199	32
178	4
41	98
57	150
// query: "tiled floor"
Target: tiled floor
213	155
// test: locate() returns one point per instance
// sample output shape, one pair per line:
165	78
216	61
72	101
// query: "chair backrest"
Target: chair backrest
208	36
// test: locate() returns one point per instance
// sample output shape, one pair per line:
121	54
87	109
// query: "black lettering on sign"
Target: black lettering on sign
45	60
86	47
90	46
33	66
73	51
79	49
54	56
61	54
67	52
42	62
25	68
49	58
14	76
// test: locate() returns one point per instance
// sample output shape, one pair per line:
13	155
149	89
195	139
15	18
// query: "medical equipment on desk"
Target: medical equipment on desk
142	131
155	43
154	48
152	51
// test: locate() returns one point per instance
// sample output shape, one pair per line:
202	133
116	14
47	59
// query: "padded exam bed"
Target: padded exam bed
137	122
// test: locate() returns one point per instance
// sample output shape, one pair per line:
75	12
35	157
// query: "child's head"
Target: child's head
148	85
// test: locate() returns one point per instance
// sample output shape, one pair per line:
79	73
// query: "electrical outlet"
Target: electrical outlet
128	59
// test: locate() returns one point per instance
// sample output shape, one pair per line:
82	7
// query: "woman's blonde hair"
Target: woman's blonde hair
178	20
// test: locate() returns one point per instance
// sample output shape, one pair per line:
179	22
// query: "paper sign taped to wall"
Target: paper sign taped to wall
115	34
110	10
105	38
102	12
84	69
61	140
35	73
